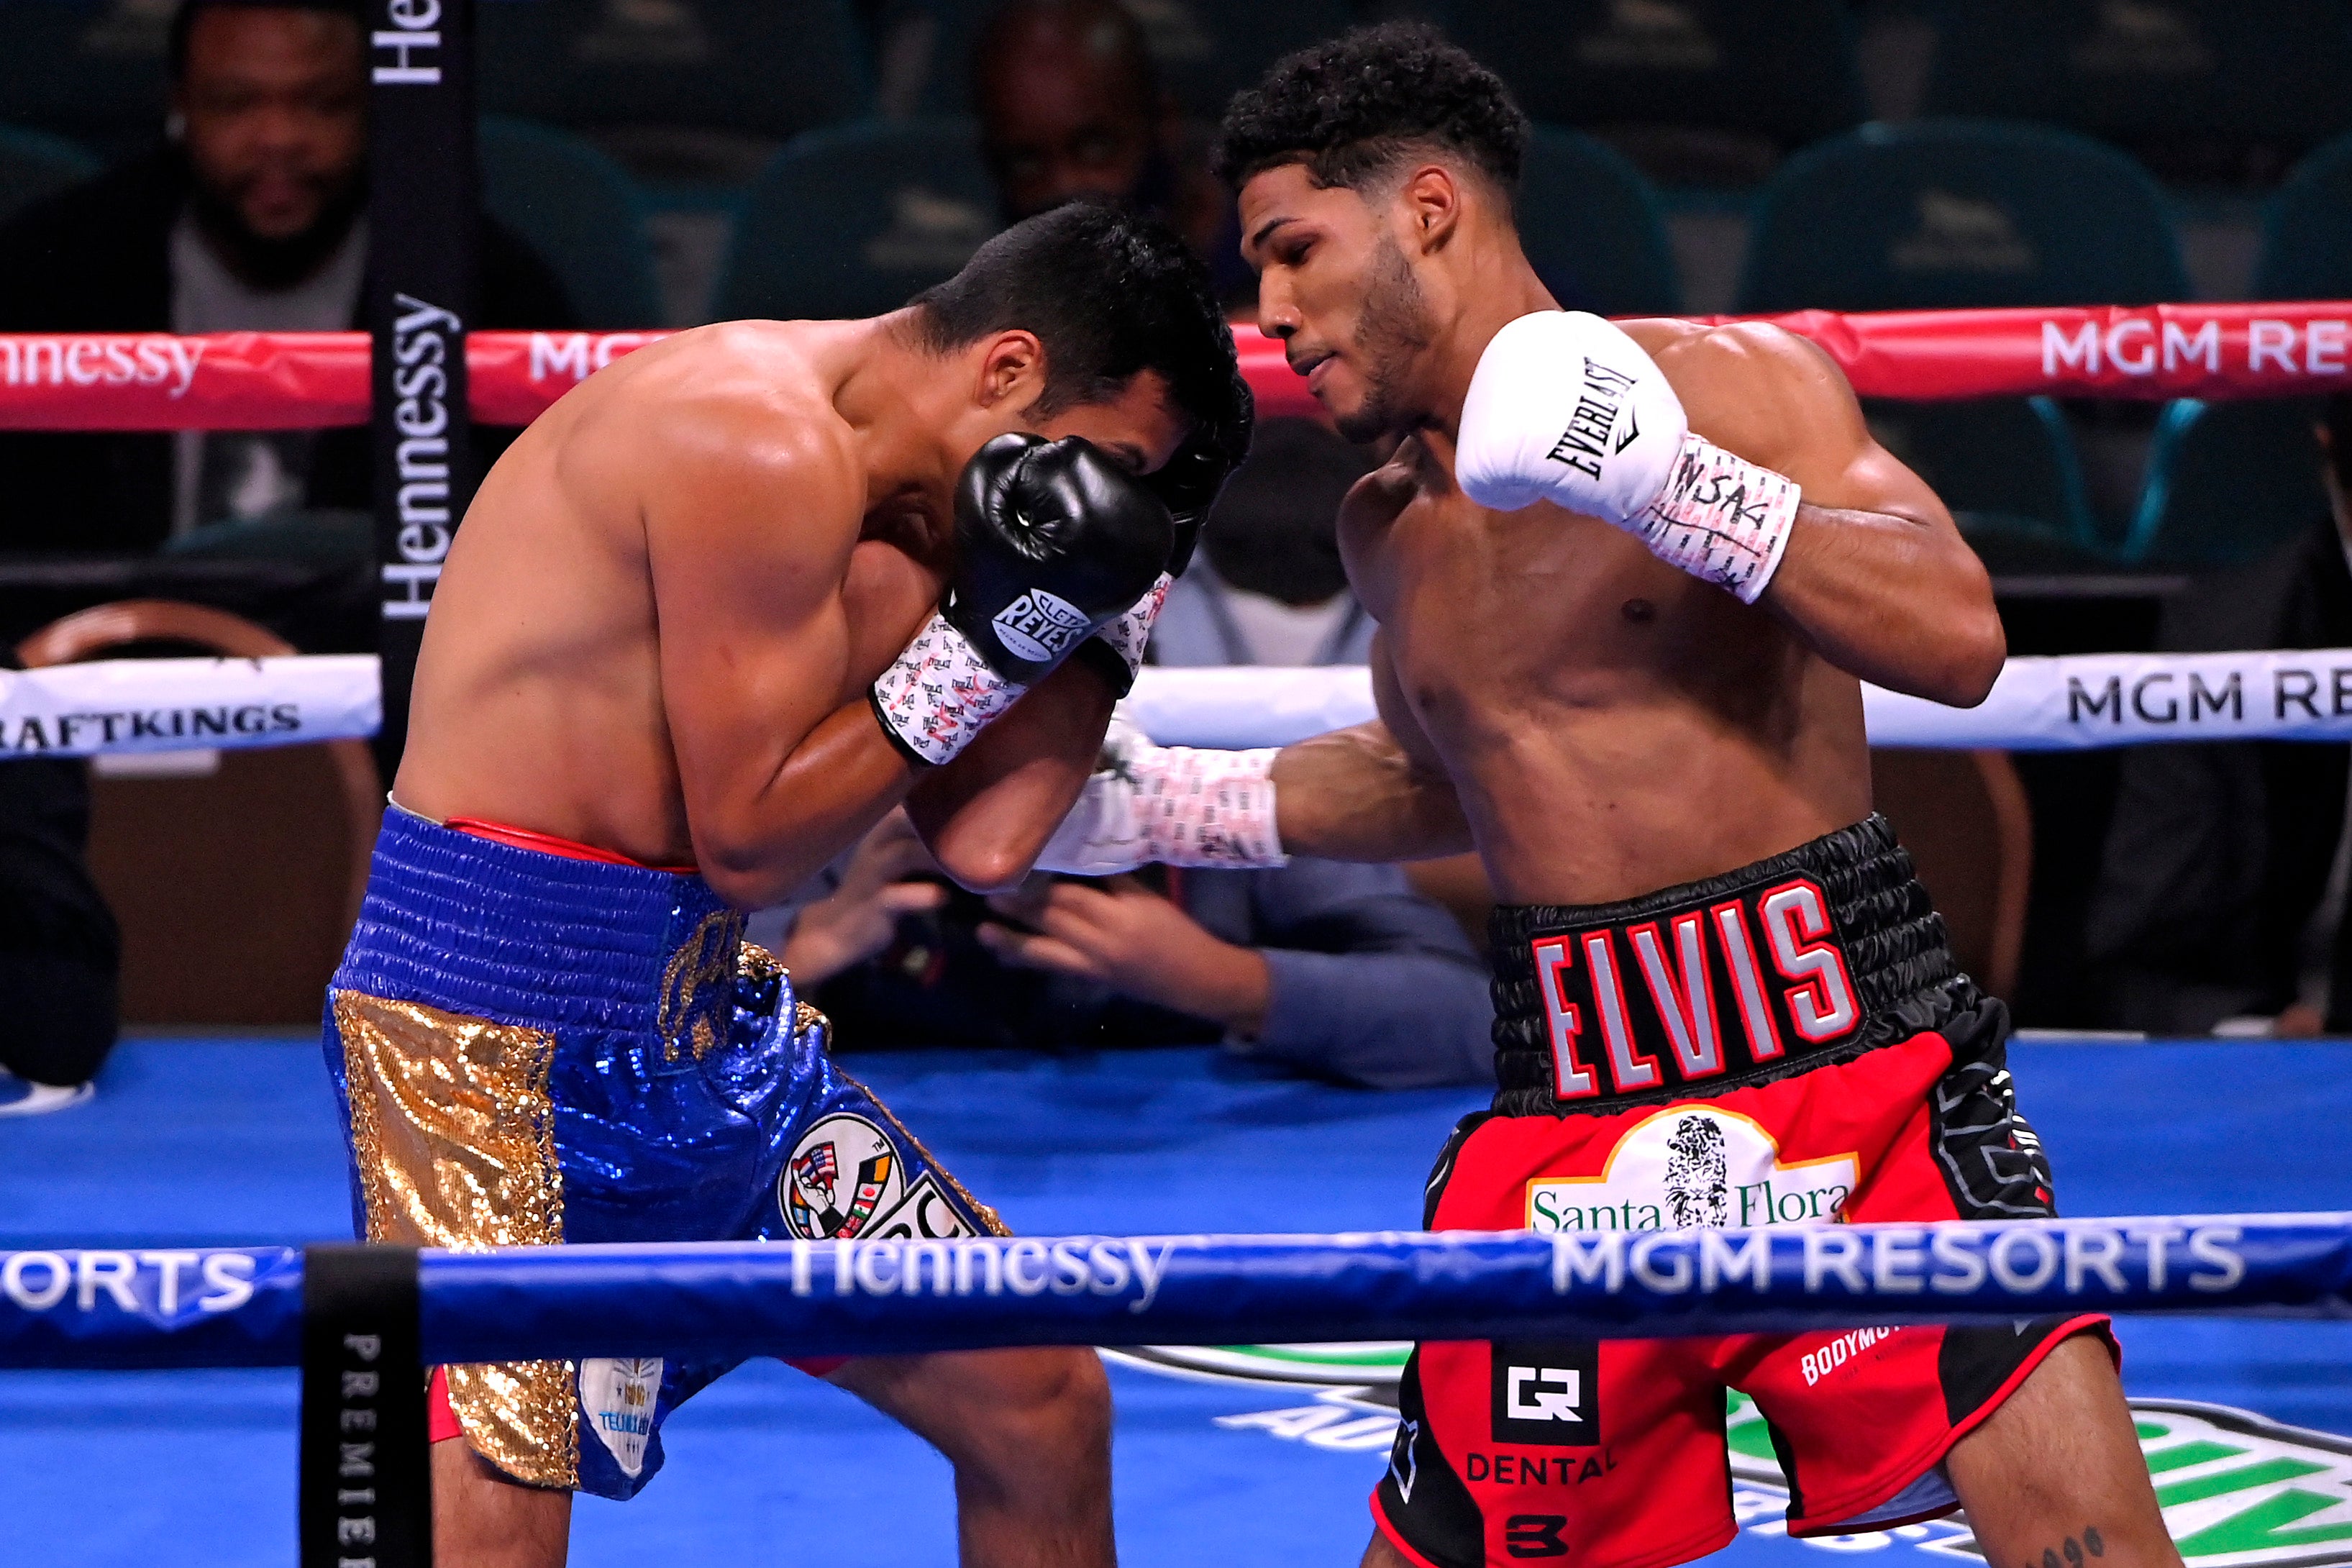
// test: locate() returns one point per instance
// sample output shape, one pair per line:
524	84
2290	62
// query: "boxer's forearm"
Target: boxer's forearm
1355	794
985	816
1903	603
756	841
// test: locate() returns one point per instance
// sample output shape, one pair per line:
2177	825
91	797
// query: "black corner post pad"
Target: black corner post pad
423	207
366	1484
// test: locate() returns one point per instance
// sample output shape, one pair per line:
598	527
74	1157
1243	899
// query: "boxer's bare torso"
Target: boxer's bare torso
655	629
1595	723
1610	724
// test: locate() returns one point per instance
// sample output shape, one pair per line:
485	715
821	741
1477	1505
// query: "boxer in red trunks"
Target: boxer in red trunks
1627	581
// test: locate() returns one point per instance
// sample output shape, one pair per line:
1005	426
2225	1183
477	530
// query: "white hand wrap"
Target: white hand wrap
1128	635
1565	407
1170	804
1721	518
940	693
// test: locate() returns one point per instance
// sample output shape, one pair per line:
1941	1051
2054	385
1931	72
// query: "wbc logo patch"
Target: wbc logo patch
847	1180
843	1172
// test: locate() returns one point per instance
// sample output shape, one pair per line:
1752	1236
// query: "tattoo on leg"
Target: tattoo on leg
2092	1541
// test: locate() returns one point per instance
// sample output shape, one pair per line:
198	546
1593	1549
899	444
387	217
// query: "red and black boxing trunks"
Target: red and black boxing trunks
1786	1044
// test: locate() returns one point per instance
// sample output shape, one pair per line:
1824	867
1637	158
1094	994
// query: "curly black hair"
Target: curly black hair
1349	109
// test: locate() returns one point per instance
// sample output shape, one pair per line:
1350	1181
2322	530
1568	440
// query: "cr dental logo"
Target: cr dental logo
1546	1392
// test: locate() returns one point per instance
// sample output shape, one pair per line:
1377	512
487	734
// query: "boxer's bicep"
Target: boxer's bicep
778	768
1876	576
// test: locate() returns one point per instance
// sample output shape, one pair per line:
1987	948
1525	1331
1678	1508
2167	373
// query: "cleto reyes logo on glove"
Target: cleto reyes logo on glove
1039	627
1587	441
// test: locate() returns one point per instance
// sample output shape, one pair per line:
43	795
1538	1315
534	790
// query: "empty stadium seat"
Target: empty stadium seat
1957	212
903	206
580	212
2203	89
33	163
1949	214
92	69
2228	482
1766	78
2307	230
1591	225
2006	467
770	68
1206	50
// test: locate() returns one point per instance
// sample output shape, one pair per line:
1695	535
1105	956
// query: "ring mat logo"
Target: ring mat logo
2238	1490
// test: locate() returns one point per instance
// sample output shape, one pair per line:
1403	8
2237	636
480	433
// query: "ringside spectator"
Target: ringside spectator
1070	106
251	215
1267	585
60	952
2221	894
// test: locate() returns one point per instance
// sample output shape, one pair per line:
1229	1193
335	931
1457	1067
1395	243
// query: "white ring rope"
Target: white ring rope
2039	704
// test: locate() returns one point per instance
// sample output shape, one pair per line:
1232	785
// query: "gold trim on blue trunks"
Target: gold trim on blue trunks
698	979
453	1132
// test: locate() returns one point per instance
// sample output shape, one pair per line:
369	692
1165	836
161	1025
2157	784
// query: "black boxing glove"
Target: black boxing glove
1188	484
1052	541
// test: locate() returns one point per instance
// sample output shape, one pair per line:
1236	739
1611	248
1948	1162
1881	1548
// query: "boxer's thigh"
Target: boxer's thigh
1508	1450
998	1410
1862	1419
1611	1453
2054	1476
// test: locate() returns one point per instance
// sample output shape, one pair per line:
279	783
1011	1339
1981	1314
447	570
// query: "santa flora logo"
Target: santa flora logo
1694	1167
618	1396
1038	625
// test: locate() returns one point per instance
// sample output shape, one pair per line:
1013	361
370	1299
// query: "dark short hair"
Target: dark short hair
1350	109
1110	293
183	22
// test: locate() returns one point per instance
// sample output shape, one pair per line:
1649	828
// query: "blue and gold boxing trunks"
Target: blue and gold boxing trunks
531	1048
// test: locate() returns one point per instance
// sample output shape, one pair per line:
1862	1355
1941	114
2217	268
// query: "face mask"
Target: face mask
1273	531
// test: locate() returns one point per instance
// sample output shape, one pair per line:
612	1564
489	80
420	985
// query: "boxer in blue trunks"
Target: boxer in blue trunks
715	614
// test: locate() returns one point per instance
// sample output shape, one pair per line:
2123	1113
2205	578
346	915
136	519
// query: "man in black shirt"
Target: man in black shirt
250	217
2221	894
59	949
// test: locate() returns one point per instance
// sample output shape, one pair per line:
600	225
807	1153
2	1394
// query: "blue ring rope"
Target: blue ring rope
242	1306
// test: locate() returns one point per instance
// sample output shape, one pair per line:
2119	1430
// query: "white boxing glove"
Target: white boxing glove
1170	804
1565	407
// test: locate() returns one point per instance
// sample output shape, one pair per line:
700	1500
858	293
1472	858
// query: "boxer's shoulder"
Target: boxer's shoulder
1750	387
742	403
